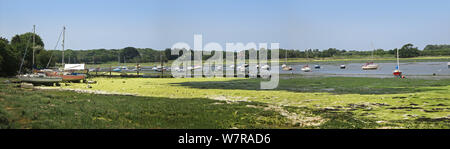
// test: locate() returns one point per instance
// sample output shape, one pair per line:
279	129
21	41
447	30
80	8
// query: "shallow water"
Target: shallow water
410	69
413	68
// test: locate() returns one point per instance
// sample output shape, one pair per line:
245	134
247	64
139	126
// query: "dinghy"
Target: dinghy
317	66
306	68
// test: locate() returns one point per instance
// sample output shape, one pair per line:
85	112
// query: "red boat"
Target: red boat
73	78
67	77
397	73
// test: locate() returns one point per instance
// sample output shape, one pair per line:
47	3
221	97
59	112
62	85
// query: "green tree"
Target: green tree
408	50
24	42
9	61
129	53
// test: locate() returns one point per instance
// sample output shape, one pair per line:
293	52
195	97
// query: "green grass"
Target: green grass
318	102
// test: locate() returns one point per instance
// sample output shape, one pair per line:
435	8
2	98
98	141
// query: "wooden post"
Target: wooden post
162	66
110	69
137	68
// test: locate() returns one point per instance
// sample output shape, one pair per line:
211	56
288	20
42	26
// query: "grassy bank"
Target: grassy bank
335	102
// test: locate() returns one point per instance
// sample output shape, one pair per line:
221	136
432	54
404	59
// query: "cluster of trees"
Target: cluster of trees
12	52
98	56
431	50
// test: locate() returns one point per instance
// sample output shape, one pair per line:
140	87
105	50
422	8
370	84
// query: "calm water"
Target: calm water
417	69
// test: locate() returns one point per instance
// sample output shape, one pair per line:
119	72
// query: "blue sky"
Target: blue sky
295	24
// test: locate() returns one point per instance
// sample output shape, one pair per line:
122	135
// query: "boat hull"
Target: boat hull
73	77
306	69
397	73
40	79
370	67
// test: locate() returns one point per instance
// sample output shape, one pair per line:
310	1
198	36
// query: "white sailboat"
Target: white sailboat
284	66
36	77
306	68
370	65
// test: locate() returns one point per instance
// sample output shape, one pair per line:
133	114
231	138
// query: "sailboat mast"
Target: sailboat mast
34	32
285	57
398	61
373	49
64	34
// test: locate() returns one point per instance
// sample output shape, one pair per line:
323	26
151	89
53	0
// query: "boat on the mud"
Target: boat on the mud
69	72
370	66
39	78
36	77
342	66
397	71
284	66
306	68
317	66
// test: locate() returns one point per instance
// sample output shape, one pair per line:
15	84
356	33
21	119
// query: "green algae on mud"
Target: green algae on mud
315	102
386	101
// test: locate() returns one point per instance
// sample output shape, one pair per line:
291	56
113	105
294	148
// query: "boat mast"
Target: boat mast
398	61
34	32
373	49
64	33
285	57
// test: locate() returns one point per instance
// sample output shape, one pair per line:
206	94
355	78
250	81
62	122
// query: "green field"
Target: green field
318	102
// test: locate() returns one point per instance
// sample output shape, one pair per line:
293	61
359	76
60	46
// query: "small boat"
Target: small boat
306	68
342	66
397	72
73	77
265	67
39	78
370	66
286	68
118	69
317	66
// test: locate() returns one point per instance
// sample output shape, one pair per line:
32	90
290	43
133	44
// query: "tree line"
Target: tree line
12	53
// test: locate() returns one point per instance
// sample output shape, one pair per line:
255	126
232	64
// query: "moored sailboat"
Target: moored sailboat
36	77
306	68
370	65
397	71
284	66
